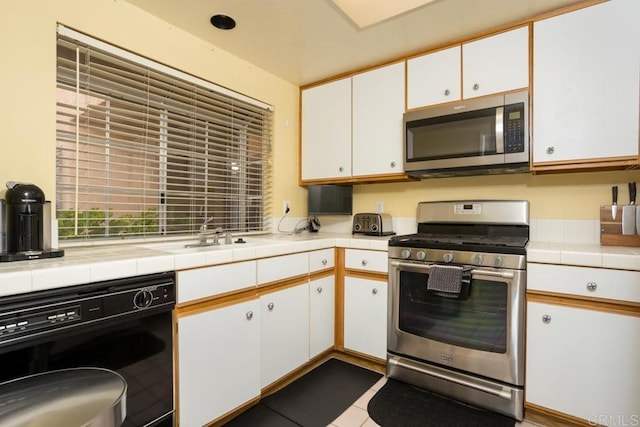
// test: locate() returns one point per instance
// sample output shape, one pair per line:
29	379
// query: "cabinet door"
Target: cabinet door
585	96
378	105
583	363
496	64
321	315
434	78
326	131
218	362
365	316
282	267
284	332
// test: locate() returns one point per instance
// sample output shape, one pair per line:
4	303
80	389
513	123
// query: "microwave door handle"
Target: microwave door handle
500	130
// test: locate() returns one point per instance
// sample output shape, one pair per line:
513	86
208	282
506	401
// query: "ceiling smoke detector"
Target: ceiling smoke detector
223	22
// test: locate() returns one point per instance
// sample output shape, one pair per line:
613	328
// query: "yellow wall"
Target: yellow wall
557	196
28	79
27	113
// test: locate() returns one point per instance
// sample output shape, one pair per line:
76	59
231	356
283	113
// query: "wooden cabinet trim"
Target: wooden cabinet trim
218	301
588	303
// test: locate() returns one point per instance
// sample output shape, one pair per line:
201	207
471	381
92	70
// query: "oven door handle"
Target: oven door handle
504	274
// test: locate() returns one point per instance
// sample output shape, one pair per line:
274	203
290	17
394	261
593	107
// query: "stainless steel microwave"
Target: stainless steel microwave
475	137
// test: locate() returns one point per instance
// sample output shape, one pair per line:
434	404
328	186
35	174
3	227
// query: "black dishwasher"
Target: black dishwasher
125	325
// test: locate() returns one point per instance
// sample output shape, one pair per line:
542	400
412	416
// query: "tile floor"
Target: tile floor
357	416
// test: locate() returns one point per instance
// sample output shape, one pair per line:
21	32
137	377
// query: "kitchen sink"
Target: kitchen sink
190	246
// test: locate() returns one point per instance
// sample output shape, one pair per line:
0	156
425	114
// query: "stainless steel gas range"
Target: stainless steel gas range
457	302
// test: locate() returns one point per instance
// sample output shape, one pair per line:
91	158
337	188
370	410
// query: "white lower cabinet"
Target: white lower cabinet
218	362
365	316
583	363
284	332
322	294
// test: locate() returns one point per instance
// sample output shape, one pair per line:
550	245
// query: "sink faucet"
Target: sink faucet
202	236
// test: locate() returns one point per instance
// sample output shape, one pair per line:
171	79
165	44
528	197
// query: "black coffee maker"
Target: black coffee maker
28	223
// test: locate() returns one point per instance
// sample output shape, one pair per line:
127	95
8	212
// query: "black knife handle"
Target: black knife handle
632	192
614	192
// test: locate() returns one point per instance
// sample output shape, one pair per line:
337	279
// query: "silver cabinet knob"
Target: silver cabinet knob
319	289
270	306
374	291
364	262
393	164
550	150
592	286
447	92
324	261
476	86
546	318
249	315
341	169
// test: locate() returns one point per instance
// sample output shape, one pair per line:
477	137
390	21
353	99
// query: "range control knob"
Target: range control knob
448	257
498	261
143	299
421	255
406	254
478	259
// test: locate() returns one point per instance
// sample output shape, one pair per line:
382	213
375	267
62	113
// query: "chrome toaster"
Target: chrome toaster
372	224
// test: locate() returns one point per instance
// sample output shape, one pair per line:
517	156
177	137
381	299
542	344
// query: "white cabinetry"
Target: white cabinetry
378	105
583	363
496	64
282	267
285	331
353	126
206	282
434	78
489	65
219	361
365	316
321	315
326	131
586	85
366	260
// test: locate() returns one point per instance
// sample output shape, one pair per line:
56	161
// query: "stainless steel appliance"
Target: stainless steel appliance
473	137
28	224
372	224
467	343
122	325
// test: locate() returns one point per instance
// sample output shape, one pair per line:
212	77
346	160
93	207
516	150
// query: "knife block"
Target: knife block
611	229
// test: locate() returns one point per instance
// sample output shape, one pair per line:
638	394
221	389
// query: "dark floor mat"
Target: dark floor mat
260	416
400	404
321	395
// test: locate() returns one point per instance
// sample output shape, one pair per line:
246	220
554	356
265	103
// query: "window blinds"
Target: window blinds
146	150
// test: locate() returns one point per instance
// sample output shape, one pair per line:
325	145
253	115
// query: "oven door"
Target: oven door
482	334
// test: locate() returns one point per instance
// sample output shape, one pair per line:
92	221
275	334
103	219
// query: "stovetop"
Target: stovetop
462	242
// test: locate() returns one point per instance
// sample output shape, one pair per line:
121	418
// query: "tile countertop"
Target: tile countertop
95	263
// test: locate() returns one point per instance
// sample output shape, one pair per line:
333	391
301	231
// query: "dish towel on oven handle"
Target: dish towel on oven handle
448	280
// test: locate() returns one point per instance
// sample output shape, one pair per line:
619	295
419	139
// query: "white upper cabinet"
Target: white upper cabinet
586	68
496	64
434	78
486	66
378	105
353	127
326	131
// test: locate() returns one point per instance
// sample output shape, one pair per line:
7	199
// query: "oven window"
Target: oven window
478	322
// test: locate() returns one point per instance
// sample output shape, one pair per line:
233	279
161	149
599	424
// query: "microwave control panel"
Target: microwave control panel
514	137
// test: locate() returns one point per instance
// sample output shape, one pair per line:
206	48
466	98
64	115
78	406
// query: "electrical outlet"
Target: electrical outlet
286	206
379	207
